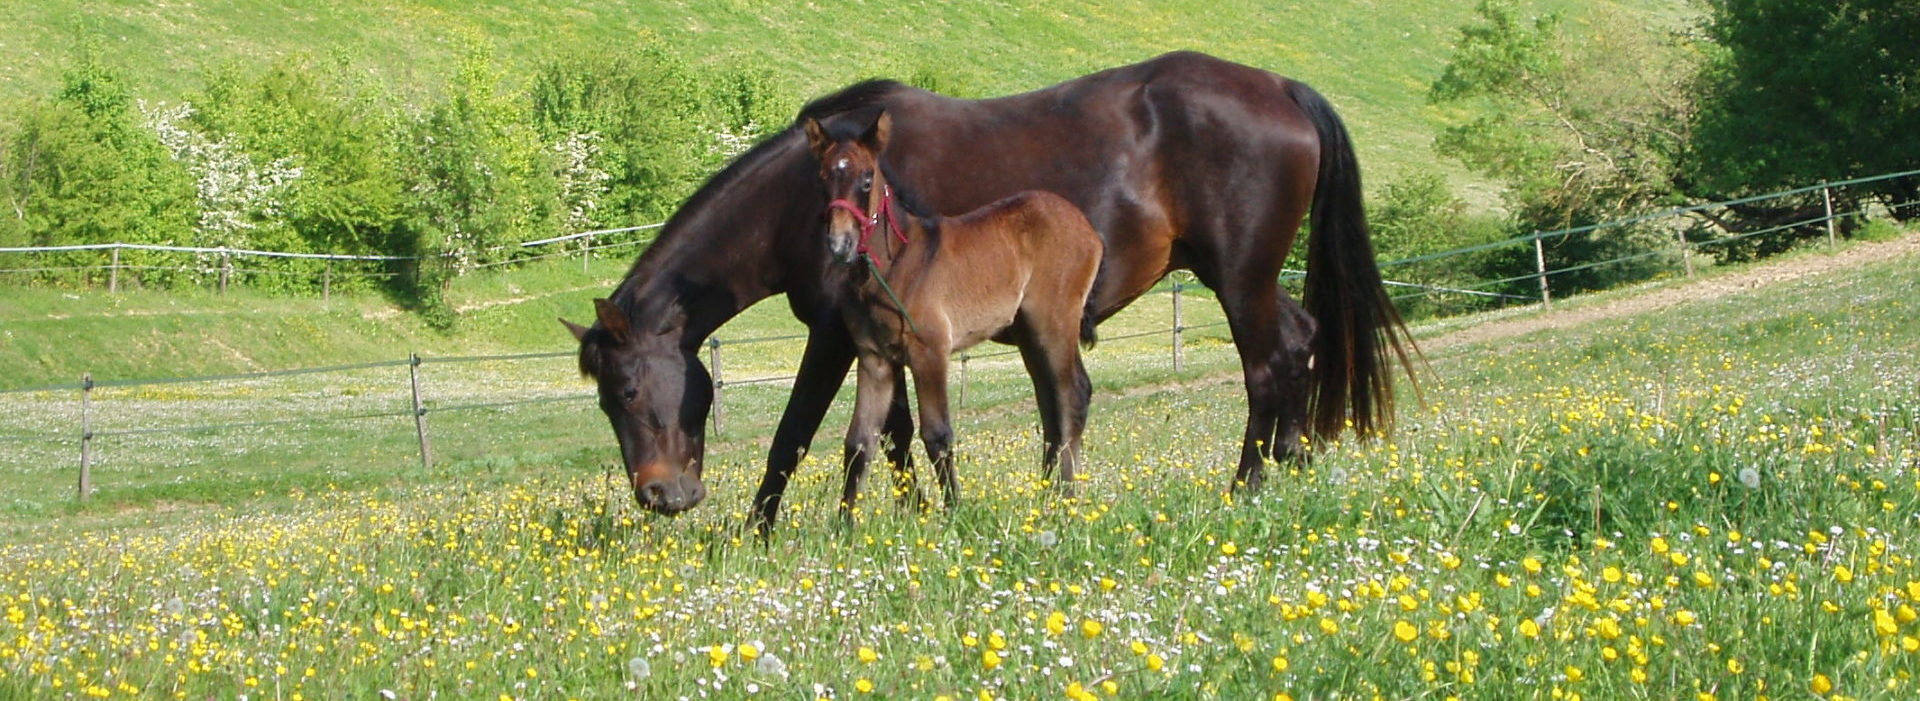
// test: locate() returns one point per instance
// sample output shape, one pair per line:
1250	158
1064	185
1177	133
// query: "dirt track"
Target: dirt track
1762	275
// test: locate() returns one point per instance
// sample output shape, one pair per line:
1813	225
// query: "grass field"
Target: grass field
1373	60
1717	500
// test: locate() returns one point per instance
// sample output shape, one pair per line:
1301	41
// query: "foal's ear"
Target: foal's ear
816	136
876	137
579	332
613	320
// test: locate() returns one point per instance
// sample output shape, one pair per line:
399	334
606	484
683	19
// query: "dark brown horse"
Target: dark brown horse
1183	161
1017	270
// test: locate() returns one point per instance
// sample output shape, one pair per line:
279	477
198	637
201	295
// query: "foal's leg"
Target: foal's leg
1046	394
877	377
899	435
936	427
1072	391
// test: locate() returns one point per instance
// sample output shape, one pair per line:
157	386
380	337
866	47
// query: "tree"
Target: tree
80	168
1799	91
1581	130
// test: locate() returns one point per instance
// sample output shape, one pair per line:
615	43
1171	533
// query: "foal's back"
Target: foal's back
1032	252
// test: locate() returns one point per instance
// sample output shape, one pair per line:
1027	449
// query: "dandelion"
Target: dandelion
1749	478
770	665
638	668
1048	539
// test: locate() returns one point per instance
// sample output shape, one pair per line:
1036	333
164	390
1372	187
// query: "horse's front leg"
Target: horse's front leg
936	427
876	379
823	366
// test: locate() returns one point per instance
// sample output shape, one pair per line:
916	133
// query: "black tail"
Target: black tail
1087	336
1360	331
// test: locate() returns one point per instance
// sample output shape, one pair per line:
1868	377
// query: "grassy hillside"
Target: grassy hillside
1374	60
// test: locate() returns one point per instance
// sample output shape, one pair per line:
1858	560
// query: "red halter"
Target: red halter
870	221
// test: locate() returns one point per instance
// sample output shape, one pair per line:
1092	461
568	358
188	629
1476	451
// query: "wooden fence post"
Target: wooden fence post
1540	262
86	437
326	281
419	411
1826	195
226	269
1686	250
113	273
713	358
1178	360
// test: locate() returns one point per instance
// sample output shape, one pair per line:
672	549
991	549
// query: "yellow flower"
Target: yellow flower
1139	648
1091	628
1076	692
1531	565
1684	617
867	655
1575	674
1280	663
863	685
990	659
1154	663
1228	548
1529	628
1884	624
1843	573
1821	684
1660	546
1329	626
1734	666
748	652
717	655
1407	632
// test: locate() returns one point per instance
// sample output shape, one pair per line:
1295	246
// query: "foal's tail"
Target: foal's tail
1087	336
1360	332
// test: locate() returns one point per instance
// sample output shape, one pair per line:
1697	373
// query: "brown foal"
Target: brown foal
1016	271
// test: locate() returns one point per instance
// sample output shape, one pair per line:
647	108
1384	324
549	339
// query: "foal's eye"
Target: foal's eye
628	395
866	183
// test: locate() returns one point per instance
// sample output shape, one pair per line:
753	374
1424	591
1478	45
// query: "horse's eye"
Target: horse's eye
866	183
629	395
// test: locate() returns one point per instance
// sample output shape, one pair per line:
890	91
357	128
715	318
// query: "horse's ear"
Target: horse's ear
876	137
613	320
816	135
579	332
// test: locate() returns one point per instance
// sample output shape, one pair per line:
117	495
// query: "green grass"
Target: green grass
1715	499
1374	60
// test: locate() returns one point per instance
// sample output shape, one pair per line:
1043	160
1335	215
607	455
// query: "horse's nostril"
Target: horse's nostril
654	494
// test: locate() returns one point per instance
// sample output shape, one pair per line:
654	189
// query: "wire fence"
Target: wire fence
105	264
86	432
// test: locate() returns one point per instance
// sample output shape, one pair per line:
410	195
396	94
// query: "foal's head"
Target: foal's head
850	166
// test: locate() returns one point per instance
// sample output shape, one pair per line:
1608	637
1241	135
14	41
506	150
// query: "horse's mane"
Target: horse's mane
852	97
863	94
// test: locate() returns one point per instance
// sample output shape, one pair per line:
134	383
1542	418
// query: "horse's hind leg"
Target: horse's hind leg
936	425
899	447
1253	315
877	378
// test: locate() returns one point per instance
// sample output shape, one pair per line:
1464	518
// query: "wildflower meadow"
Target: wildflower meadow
1715	500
